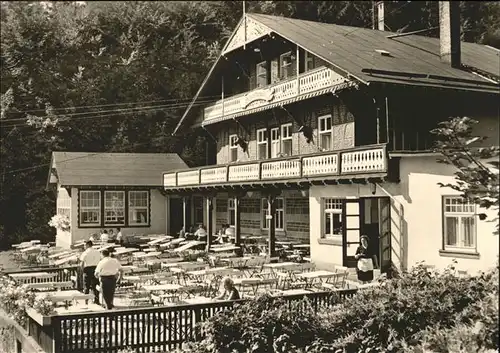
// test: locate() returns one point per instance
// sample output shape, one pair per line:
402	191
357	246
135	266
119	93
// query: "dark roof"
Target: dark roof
413	60
113	169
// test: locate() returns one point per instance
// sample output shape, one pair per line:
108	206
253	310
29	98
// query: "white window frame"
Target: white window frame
83	209
308	58
331	208
133	208
463	209
286	137
233	148
123	209
285	67
231	207
259	75
323	132
261	141
275	141
280	214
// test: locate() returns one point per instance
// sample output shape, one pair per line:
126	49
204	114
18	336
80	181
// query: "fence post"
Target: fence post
197	321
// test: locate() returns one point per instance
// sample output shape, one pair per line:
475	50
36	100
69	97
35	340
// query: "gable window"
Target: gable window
275	142
261	72
90	208
286	139
233	148
138	207
325	132
231	213
309	61
114	208
262	144
279	217
286	65
332	218
459	223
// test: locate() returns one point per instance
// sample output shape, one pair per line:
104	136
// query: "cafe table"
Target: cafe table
65	295
323	276
167	287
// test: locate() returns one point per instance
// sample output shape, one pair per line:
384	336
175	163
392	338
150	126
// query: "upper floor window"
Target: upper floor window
275	142
114	208
286	139
459	223
286	65
309	61
262	144
261	72
279	217
325	132
90	208
233	148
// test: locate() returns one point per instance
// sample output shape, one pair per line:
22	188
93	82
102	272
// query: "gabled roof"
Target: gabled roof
412	60
112	169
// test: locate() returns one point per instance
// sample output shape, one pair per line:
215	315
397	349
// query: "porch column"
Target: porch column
237	221
184	213
271	210
209	208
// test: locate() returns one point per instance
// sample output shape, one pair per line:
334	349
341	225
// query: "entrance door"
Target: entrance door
352	231
385	233
175	221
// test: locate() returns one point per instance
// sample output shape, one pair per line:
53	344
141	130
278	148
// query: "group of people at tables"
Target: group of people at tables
224	235
101	268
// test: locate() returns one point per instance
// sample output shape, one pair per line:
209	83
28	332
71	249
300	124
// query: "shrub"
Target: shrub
14	299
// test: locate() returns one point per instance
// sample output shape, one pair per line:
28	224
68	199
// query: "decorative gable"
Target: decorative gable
248	30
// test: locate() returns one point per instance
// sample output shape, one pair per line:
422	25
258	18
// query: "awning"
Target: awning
320	92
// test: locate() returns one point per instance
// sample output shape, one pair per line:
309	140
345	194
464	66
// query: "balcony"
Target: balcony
356	163
312	82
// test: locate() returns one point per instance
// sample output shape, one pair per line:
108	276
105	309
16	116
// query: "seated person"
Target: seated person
201	233
111	235
230	232
230	291
104	236
119	236
221	235
182	233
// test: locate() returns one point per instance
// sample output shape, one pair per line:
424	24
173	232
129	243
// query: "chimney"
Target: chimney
380	15
449	32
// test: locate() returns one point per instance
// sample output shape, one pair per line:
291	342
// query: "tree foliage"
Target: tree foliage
477	167
116	76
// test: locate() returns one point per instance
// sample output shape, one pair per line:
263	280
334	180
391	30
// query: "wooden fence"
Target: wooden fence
146	329
63	274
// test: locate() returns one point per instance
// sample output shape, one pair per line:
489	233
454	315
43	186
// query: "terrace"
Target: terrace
167	289
357	163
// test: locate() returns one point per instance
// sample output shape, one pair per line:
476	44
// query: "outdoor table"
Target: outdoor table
64	260
198	300
237	261
79	309
160	240
168	287
281	267
292	292
226	248
284	243
323	276
133	269
143	255
30	275
302	246
189	245
65	295
124	251
31	249
250	282
170	264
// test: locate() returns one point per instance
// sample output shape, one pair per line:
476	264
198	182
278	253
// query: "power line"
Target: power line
104	114
179	102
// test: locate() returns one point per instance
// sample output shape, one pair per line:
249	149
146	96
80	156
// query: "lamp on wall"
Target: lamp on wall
240	141
307	132
373	188
304	192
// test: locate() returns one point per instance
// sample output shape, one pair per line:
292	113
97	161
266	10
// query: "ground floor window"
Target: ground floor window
332	218
231	213
279	217
459	223
63	203
198	210
98	208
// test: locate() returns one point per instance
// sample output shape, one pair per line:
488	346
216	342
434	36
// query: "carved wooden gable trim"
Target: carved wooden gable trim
254	30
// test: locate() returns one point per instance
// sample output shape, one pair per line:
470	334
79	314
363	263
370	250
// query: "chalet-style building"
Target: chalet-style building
322	134
109	190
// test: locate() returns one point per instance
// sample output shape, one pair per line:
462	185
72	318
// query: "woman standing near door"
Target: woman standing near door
367	260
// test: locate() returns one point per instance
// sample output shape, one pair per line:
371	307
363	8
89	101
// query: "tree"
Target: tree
477	175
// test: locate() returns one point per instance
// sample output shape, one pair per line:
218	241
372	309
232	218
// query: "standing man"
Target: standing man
109	270
88	262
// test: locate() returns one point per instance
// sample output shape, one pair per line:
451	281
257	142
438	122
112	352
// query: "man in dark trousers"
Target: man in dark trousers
109	271
88	261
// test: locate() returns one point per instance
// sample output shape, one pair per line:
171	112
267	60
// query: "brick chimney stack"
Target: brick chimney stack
449	32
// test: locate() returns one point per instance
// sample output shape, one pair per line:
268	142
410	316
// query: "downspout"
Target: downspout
402	238
378	120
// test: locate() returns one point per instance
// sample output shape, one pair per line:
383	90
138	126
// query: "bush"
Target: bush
420	311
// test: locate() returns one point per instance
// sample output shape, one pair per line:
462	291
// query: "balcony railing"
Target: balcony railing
308	82
364	161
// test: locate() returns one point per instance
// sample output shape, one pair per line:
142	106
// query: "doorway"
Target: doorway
175	216
367	216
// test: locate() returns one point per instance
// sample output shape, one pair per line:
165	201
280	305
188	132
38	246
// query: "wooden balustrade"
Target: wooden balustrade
360	160
308	82
148	329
